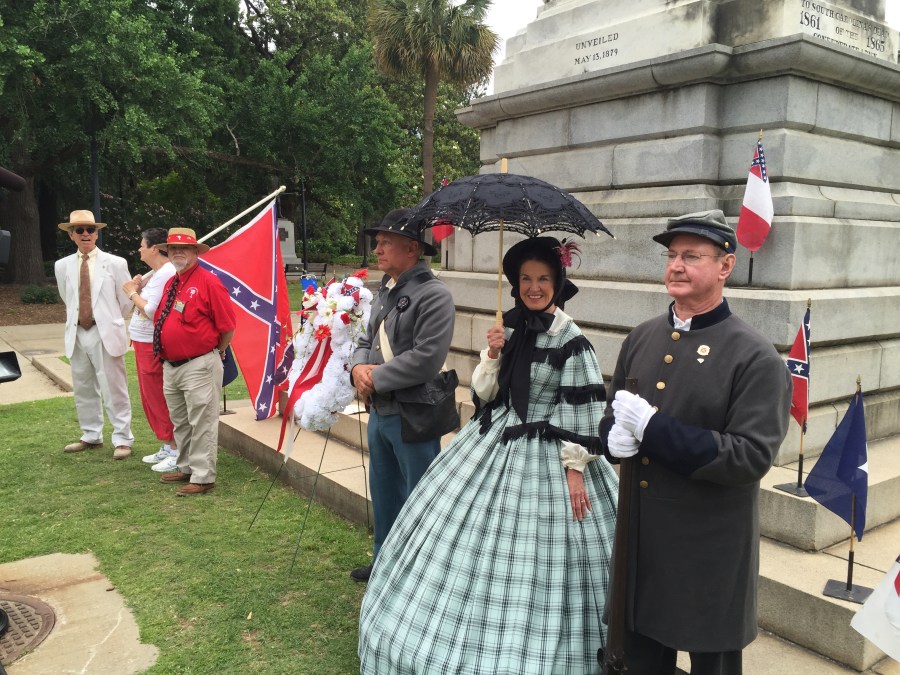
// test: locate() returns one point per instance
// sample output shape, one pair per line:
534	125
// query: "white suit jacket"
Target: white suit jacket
109	302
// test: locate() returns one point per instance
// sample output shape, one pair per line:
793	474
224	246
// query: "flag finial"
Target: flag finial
760	134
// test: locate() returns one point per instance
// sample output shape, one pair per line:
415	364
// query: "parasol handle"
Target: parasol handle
499	317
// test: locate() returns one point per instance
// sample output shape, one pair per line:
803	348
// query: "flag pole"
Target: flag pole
850	556
801	491
242	214
237	217
833	587
499	321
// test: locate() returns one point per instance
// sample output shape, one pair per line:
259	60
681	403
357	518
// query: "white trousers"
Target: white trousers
94	374
192	392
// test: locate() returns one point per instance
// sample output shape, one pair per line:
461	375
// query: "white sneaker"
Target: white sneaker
168	464
157	456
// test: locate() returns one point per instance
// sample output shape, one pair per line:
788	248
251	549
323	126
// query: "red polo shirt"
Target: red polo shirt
201	312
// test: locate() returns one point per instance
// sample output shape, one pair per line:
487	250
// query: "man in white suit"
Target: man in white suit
90	283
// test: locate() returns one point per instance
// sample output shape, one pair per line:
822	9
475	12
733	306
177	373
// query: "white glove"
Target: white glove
632	412
621	442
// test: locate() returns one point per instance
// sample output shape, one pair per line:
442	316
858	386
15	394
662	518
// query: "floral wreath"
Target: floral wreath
332	321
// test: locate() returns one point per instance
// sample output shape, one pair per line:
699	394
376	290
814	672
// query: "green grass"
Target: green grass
188	568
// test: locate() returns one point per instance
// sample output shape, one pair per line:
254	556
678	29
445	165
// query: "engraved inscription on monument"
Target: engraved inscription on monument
834	24
600	48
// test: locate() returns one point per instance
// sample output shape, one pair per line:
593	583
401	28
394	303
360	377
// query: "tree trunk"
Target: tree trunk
431	86
20	215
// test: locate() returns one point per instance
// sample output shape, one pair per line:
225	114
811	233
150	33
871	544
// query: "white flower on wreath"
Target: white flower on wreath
337	314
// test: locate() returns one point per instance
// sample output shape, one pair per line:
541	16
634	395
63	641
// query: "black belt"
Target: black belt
181	362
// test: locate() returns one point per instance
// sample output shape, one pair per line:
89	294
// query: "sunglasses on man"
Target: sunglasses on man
82	230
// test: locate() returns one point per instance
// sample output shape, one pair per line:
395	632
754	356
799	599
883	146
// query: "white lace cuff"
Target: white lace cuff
484	378
574	456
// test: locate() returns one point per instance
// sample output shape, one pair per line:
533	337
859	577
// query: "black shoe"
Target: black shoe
361	574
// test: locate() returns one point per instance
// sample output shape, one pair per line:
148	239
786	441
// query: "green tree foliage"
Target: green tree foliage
200	107
77	69
437	41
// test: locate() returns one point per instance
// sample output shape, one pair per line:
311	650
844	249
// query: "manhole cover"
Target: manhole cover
30	620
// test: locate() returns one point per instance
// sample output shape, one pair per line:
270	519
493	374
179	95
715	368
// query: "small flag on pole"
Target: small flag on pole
757	211
798	365
442	228
878	620
842	471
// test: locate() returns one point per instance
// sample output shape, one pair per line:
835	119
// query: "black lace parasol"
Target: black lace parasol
506	201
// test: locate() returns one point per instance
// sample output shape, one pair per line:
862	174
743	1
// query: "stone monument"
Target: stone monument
651	108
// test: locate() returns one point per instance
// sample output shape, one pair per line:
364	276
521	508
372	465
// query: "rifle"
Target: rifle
613	657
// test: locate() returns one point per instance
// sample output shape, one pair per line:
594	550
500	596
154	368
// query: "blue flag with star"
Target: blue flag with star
842	470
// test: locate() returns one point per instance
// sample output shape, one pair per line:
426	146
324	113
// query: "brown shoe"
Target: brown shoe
121	452
175	477
81	446
195	489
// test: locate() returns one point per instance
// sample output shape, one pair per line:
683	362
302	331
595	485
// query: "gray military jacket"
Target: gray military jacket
723	395
418	315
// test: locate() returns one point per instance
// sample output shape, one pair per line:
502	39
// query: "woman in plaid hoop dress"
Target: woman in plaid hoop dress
499	561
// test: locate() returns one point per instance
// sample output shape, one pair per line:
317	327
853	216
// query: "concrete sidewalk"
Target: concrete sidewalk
38	350
95	632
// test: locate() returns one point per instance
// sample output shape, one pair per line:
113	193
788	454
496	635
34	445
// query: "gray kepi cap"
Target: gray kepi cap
707	224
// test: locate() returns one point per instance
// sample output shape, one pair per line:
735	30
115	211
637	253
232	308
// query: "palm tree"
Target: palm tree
438	40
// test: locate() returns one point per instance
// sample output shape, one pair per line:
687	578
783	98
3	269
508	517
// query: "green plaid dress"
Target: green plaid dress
485	571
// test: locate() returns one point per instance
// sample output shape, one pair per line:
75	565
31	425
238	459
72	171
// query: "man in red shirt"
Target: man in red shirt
192	329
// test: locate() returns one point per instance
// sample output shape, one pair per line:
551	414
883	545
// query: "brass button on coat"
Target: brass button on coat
645	484
669	358
645	461
660	385
676	335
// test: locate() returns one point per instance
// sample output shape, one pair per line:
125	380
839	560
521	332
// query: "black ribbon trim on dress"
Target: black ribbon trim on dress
545	431
557	356
586	394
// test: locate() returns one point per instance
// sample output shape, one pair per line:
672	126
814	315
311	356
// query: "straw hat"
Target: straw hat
182	236
81	217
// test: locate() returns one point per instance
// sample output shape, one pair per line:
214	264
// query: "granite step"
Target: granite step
791	603
809	526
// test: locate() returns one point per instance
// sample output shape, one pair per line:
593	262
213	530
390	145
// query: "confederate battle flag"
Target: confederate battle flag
798	365
249	264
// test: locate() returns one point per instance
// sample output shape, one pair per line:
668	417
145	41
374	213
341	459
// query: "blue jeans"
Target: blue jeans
394	469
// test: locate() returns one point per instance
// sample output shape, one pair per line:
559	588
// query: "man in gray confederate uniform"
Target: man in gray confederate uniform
406	344
710	414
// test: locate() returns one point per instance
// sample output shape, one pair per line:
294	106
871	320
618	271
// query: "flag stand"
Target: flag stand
750	273
835	588
797	488
309	503
225	410
362	462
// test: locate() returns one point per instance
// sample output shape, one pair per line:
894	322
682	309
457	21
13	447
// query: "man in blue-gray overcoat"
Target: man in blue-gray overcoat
406	344
710	414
